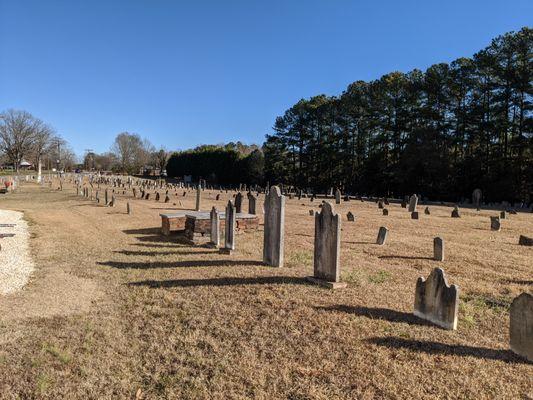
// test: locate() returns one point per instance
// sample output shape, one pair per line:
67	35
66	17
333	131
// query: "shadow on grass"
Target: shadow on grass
162	253
144	231
407	257
437	348
170	245
178	264
230	281
517	281
379	313
358	242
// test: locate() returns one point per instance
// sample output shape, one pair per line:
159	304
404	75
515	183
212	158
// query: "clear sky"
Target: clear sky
183	73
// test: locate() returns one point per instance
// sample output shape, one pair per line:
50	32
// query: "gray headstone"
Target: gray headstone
251	204
521	326
350	216
327	248
229	229
427	211
238	203
385	211
436	301
215	227
438	249
476	198
337	196
413	202
274	233
128	207
382	235
495	224
311	212
455	212
414	215
503	215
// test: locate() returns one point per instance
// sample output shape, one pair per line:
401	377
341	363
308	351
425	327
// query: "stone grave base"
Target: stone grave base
326	284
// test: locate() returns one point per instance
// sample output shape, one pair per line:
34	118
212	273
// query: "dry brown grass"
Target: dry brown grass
115	308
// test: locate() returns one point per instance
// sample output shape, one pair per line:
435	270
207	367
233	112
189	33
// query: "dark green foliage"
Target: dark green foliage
229	164
441	133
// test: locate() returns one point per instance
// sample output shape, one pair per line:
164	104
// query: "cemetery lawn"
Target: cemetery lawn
115	310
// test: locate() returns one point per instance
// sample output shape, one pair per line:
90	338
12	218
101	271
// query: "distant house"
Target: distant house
25	165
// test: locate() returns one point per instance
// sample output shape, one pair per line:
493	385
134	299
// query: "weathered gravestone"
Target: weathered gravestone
106	200
476	198
157	196
167	198
413	202
521	326
436	301
438	249
128	207
238	203
251	203
337	196
503	215
229	229
455	212
414	215
327	248
214	215
385	211
495	224
198	198
525	241
350	217
382	235
274	234
113	201
218	197
311	212
427	211
380	205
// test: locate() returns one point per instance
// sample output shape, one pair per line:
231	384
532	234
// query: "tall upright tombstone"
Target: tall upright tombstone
413	202
476	198
198	197
438	249
238	203
106	200
521	326
436	301
215	227
229	229
252	200
337	196
327	248
274	234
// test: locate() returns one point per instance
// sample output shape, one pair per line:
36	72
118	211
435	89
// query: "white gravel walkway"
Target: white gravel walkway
16	264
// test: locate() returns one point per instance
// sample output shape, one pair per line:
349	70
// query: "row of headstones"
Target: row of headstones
435	300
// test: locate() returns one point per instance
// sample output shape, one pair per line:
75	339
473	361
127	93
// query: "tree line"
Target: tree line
228	164
24	137
442	132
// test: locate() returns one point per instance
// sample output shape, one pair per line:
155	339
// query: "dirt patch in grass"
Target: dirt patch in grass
115	310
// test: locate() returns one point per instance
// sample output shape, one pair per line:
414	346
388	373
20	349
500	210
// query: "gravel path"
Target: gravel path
16	264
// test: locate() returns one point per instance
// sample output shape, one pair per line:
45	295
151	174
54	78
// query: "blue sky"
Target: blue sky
183	73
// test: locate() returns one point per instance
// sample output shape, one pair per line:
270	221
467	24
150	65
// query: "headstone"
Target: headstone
337	196
455	212
251	203
327	248
427	211
218	197
106	200
229	229
503	215
385	211
438	249
382	235
311	212
521	326
380	205
167	198
346	198
525	241
476	198
215	227
413	202
238	203
350	216
113	200
128	207
436	301
274	233
157	196
495	224
414	215
198	198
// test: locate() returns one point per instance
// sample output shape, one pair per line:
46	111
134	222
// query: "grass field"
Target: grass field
115	310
